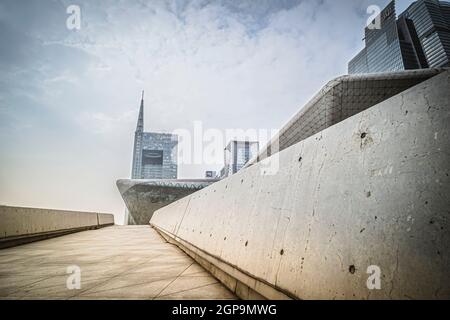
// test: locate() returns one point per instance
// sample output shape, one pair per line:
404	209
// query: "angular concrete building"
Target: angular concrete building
144	197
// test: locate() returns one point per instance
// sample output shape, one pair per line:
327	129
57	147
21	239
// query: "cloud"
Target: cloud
230	64
105	124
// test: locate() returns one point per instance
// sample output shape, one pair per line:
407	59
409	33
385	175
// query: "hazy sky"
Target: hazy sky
69	98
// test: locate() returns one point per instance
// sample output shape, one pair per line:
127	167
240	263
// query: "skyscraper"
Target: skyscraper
431	19
237	154
420	38
154	154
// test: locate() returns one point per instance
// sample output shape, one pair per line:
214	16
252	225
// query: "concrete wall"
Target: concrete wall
371	190
105	219
17	223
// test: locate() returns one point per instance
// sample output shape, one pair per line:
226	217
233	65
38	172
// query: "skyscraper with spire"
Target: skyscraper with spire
154	154
153	182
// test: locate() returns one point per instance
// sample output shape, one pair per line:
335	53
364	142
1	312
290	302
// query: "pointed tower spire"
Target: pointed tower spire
136	170
140	123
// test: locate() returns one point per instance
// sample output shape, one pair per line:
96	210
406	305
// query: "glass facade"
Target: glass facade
412	52
154	154
159	156
382	51
236	156
359	63
420	38
431	19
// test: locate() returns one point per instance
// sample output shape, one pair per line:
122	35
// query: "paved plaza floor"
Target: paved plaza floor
119	262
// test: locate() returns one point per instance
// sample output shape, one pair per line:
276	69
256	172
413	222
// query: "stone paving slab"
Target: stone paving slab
119	262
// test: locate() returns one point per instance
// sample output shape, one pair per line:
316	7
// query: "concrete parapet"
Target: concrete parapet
105	219
369	192
20	225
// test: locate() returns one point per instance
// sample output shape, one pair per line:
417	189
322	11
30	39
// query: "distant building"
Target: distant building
419	39
236	155
154	154
210	174
143	197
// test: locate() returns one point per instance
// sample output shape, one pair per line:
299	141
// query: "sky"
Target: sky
69	99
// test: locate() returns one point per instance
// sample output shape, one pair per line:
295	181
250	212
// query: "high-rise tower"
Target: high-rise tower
431	19
154	154
419	38
137	150
236	155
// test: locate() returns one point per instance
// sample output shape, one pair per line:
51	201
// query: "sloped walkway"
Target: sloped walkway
120	262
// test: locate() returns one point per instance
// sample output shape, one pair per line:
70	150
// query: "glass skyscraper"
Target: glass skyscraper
419	38
431	19
154	154
237	154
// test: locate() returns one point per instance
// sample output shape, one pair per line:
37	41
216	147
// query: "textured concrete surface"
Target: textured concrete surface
119	262
371	190
340	99
17	224
144	197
